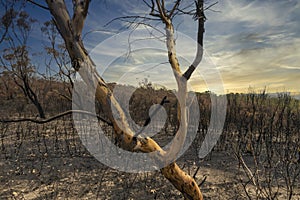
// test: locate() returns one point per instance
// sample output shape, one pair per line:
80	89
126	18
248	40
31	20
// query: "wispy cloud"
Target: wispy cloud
256	43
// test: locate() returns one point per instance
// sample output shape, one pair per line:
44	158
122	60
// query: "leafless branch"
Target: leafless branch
152	7
248	172
174	8
199	15
211	5
135	17
98	30
43	121
39	5
161	11
202	182
151	68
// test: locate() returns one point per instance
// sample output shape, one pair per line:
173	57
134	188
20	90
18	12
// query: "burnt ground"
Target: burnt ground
49	162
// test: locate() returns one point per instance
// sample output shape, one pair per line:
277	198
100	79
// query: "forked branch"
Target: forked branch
199	15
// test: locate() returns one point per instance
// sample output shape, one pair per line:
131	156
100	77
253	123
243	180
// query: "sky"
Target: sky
249	45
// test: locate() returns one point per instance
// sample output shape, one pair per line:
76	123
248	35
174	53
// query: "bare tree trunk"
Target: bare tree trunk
186	185
70	29
34	99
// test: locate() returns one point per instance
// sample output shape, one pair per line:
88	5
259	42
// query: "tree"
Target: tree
7	18
56	53
16	59
71	28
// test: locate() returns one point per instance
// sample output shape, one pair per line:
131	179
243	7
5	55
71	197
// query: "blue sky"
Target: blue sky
252	43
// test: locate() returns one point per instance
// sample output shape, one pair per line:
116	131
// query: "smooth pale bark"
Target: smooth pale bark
187	184
70	30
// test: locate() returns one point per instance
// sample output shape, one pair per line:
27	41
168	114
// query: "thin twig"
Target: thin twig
174	8
202	182
246	168
37	4
134	17
211	5
195	174
99	30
